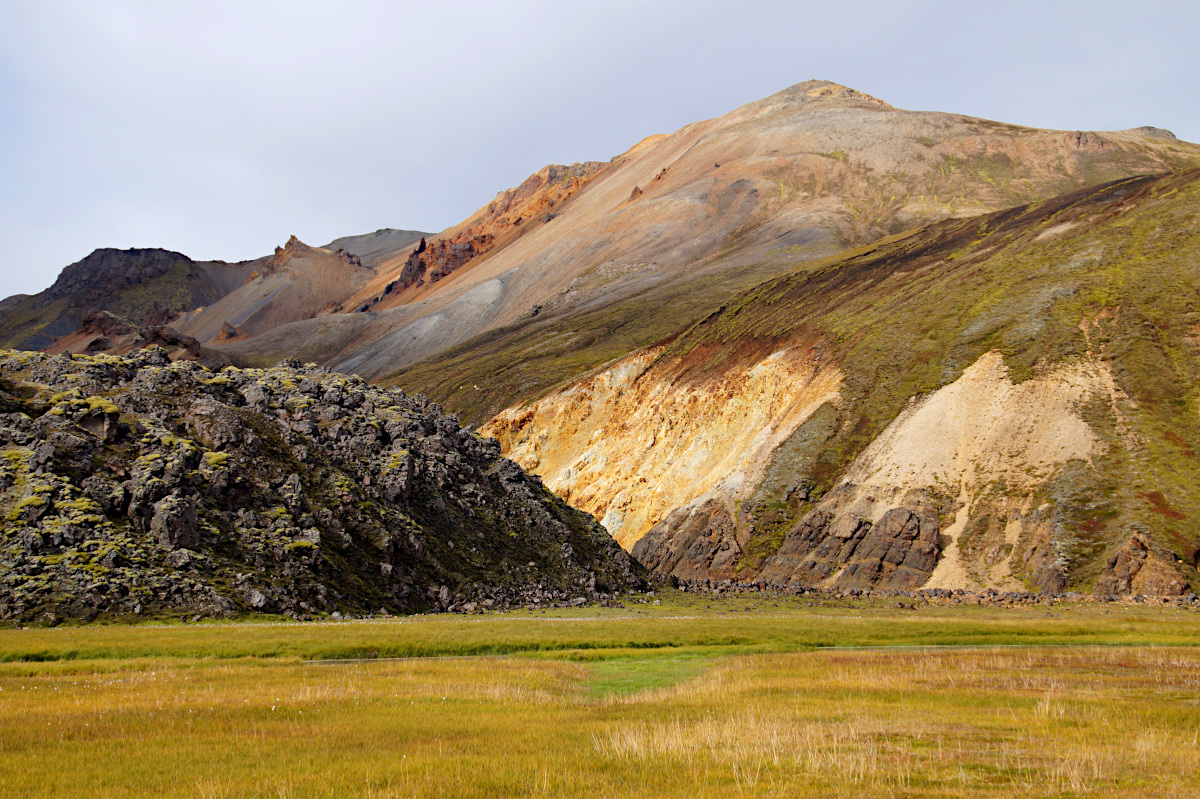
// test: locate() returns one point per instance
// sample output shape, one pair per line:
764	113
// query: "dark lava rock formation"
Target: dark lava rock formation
148	285
138	485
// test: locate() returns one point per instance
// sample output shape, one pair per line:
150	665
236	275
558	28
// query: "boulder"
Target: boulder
1135	568
174	522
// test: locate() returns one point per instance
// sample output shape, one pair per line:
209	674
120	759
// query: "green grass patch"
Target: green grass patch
622	677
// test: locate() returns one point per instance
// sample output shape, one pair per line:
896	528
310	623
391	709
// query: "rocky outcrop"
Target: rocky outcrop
437	259
229	333
898	552
1136	568
141	485
104	332
699	543
103	323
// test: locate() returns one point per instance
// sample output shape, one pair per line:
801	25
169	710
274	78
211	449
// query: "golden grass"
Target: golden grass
1095	721
1035	722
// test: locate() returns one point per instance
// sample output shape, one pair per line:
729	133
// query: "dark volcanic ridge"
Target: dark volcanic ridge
137	485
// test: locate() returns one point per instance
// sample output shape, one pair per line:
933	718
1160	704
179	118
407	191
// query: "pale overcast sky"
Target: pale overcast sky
218	129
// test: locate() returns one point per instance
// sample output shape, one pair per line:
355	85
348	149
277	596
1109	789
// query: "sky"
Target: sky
218	129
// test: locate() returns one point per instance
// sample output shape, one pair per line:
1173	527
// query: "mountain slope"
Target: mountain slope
1003	400
728	202
152	286
141	486
298	282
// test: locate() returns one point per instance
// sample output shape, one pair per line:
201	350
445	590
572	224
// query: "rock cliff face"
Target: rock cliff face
1137	568
140	485
994	402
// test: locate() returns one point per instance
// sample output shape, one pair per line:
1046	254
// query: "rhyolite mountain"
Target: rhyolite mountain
1004	401
142	486
582	264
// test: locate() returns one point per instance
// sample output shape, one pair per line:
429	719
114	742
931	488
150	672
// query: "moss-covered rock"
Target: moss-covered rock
287	490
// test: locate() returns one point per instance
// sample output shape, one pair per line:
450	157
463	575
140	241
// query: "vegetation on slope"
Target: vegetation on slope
494	370
1107	273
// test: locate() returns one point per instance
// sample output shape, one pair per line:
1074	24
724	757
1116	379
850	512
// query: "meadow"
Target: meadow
697	697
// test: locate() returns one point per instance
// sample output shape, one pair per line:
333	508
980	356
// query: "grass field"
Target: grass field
735	697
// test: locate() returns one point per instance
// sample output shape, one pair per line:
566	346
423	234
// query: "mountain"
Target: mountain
816	341
135	284
586	263
1007	400
298	282
141	486
151	287
374	249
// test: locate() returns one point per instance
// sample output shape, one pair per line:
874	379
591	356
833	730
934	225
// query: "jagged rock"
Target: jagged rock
104	323
218	426
254	396
105	493
691	543
257	599
179	559
229	333
102	422
174	522
898	552
1136	568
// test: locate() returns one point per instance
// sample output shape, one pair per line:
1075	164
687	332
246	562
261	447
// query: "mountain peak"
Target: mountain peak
828	90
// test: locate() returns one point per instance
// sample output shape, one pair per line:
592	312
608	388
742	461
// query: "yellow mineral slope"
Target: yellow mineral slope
638	440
